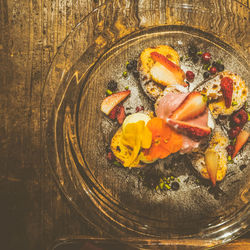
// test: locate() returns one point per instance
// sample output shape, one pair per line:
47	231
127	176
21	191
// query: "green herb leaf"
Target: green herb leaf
118	164
161	185
206	66
109	92
204	98
125	74
234	103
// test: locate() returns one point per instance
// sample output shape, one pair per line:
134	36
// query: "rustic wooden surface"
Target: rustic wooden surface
33	213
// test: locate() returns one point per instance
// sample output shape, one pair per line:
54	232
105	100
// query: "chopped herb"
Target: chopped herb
125	74
204	98
229	158
234	103
127	87
127	63
167	186
209	68
109	92
233	141
199	53
248	116
118	164
161	185
178	180
206	66
157	187
172	177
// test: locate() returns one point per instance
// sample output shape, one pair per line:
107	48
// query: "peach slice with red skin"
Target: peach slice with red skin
111	101
189	129
211	161
241	140
192	106
174	73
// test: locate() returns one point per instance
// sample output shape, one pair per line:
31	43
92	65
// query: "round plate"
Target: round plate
118	200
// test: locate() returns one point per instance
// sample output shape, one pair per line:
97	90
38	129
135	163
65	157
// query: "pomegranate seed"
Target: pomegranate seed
206	57
230	150
213	70
190	75
138	109
233	132
240	117
110	156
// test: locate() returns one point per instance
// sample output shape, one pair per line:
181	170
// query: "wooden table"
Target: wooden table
33	212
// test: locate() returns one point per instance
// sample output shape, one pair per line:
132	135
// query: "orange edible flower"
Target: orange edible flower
165	140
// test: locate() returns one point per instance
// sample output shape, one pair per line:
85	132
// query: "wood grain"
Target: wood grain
33	211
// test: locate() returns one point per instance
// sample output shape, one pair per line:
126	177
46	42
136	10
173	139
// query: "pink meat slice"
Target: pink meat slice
169	103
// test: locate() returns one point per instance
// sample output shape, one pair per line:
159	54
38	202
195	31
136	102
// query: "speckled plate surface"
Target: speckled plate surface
122	201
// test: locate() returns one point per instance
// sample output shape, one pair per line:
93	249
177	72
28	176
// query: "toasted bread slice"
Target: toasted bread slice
213	91
153	89
218	143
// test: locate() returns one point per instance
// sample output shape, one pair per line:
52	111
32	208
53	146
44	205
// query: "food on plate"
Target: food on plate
204	160
111	101
182	122
211	162
193	105
173	103
159	67
166	72
193	131
128	142
240	142
165	140
223	100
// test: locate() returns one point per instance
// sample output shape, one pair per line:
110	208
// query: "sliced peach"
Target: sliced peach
240	141
211	160
192	106
173	73
111	101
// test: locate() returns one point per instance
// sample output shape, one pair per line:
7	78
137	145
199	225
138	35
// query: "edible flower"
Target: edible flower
136	136
165	140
